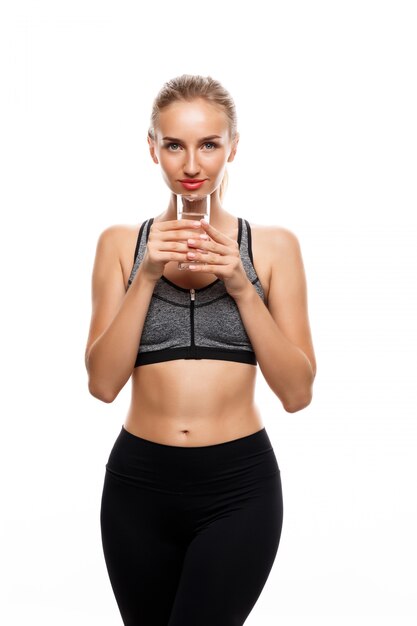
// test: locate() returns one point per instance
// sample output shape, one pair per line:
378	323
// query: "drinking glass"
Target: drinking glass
193	206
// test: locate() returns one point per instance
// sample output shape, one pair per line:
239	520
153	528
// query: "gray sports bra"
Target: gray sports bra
201	323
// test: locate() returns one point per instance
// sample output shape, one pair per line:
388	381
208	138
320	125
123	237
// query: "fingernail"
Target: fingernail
196	224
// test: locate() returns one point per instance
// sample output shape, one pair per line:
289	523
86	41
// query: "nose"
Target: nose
191	165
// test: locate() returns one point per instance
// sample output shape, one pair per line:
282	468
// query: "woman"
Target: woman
192	510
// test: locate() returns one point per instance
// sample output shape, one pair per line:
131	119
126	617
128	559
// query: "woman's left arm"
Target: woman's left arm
280	332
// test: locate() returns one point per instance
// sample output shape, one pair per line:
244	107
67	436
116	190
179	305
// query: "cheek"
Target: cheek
167	164
216	162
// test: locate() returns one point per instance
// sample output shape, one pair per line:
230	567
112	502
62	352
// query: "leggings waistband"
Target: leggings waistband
167	466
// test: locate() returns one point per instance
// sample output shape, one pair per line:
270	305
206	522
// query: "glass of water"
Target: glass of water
193	206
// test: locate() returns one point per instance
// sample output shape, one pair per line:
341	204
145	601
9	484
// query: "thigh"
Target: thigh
228	562
143	550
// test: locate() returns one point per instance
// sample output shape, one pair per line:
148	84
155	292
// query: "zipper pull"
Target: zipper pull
192	292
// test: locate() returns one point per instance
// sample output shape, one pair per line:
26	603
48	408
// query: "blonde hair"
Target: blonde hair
187	87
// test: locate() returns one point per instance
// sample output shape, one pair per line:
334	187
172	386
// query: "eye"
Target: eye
207	143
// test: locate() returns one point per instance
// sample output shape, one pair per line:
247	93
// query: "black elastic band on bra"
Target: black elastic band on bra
138	241
239	231
195	352
248	229
150	222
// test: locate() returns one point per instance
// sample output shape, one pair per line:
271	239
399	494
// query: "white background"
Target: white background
326	101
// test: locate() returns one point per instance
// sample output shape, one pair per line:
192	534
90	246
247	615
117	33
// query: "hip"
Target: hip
242	464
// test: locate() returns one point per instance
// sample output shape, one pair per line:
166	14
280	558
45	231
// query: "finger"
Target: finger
181	235
208	259
175	224
208	245
216	234
205	267
178	235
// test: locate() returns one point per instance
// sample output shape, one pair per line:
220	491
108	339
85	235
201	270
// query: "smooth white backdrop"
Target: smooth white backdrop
326	100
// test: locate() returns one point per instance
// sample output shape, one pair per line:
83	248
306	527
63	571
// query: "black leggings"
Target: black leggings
190	534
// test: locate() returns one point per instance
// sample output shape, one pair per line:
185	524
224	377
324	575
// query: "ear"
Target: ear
234	148
152	149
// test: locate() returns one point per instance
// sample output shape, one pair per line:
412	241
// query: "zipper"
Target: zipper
192	300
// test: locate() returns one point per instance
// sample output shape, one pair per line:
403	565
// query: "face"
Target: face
192	141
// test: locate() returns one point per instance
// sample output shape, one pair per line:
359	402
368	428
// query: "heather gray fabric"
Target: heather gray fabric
208	326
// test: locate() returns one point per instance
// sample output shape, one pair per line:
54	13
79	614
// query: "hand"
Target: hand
167	241
220	256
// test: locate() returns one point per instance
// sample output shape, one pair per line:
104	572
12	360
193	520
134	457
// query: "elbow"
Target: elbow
104	395
300	401
99	390
94	387
298	404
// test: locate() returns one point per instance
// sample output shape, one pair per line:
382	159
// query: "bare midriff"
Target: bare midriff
193	402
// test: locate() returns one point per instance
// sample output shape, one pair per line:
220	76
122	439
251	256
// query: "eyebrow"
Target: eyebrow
202	139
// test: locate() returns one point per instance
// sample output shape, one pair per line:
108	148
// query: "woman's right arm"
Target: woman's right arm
117	319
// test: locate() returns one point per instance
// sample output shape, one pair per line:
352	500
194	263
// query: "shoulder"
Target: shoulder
277	241
119	237
272	248
121	240
118	233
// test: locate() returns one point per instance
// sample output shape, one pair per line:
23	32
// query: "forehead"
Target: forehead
192	119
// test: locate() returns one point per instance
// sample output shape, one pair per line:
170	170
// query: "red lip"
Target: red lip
191	185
